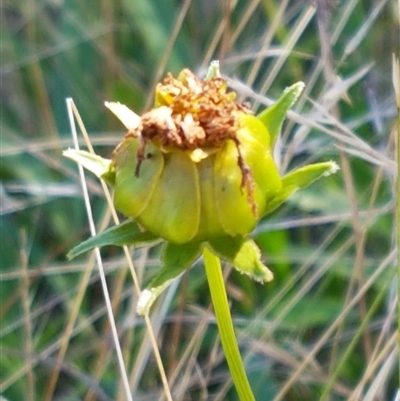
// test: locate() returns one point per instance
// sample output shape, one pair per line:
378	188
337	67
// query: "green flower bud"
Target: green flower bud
197	166
196	170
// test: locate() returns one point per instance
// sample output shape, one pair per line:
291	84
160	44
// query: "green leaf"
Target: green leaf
244	255
99	166
299	179
176	259
274	116
127	233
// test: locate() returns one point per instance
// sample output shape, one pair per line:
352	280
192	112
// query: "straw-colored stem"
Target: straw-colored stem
225	325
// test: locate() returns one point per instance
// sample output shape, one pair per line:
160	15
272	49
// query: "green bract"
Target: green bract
197	170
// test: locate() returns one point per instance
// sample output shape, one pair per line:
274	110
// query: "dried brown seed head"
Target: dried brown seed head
192	114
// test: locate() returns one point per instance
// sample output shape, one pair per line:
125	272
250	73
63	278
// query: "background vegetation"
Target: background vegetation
325	328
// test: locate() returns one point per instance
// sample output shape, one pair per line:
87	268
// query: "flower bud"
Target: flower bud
197	166
196	170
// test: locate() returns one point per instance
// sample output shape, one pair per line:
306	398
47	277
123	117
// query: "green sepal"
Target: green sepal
244	255
96	164
173	209
133	189
234	210
176	258
274	115
210	224
127	233
299	179
263	169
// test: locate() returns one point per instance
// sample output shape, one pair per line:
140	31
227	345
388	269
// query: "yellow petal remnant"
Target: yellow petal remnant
129	118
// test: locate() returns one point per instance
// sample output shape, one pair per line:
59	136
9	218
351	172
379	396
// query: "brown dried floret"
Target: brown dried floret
196	114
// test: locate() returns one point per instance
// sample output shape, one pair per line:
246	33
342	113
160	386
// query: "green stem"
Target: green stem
225	325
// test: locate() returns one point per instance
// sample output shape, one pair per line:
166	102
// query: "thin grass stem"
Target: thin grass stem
74	113
99	260
396	84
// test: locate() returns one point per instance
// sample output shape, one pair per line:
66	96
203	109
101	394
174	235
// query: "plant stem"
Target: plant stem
225	325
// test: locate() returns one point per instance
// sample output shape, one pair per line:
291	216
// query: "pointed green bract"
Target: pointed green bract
127	233
176	258
99	166
274	116
304	176
244	255
133	191
299	179
173	211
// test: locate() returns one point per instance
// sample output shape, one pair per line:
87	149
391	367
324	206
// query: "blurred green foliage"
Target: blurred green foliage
323	246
